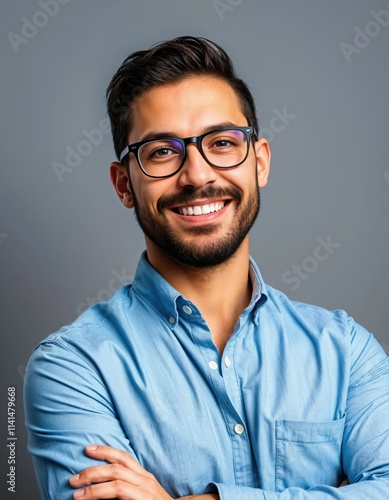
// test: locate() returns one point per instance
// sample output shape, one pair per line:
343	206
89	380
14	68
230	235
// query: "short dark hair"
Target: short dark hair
169	62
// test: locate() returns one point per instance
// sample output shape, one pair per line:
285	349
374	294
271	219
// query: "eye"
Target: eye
223	143
163	152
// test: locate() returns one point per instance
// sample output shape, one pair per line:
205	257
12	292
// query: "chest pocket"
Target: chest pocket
308	453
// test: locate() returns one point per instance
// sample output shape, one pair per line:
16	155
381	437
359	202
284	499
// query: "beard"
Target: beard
219	249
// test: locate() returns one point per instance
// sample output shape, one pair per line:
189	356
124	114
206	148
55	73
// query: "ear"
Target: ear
263	155
119	179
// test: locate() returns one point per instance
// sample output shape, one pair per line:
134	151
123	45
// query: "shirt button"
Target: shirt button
171	319
213	365
239	429
187	309
227	362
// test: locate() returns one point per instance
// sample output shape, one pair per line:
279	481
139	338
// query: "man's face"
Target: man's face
163	206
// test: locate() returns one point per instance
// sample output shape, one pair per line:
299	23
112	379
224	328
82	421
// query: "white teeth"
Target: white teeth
197	211
202	209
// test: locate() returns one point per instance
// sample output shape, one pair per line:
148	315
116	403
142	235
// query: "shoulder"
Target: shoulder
315	321
76	355
304	312
99	323
277	306
333	329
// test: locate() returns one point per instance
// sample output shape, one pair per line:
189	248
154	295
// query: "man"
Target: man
199	379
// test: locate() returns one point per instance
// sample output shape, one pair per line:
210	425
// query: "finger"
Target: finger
104	473
113	455
114	489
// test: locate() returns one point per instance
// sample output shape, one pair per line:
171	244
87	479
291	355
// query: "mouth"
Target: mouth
201	209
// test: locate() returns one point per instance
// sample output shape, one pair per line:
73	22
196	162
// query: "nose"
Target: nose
196	171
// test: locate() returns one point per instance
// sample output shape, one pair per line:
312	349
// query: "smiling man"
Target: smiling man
199	379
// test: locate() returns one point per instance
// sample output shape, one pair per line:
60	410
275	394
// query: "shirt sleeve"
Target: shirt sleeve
365	447
67	406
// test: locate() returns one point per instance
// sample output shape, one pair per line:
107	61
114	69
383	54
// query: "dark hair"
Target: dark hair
169	62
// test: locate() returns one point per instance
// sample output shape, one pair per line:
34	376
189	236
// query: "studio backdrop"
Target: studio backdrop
320	75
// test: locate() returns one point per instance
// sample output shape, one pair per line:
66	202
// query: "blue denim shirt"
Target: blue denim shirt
299	398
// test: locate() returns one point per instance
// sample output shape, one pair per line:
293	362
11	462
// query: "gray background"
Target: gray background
64	237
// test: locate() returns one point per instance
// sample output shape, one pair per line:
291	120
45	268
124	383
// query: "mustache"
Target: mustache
189	195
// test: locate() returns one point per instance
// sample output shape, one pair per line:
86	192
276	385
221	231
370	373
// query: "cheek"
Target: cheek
244	178
148	195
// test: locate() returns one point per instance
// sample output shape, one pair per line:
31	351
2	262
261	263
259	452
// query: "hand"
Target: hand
122	478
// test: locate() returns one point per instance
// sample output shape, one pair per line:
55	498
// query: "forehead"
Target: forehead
185	108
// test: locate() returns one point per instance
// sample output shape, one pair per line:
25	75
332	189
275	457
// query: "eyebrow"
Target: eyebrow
172	135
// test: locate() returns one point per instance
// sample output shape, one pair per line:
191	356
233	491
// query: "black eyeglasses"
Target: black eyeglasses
226	147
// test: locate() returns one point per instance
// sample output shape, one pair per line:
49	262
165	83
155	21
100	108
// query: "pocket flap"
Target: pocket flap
310	432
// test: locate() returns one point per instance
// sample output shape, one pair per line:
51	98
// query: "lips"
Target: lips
206	201
205	209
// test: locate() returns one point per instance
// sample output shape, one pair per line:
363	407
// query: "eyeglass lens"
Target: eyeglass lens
223	149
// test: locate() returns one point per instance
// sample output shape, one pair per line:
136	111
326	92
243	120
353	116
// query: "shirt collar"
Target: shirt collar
259	295
153	288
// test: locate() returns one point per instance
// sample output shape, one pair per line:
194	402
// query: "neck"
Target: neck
221	293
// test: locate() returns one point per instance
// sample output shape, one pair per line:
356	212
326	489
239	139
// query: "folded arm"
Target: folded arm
68	407
365	448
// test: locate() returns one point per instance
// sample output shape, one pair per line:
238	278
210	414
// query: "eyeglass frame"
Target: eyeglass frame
134	148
